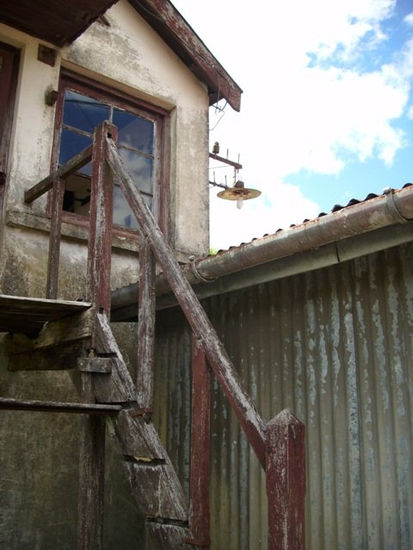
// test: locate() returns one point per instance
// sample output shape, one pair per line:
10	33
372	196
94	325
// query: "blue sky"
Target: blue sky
327	108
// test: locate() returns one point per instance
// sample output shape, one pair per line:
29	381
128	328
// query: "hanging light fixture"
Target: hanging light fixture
238	192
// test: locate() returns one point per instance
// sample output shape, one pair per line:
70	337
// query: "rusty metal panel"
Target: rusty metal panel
335	346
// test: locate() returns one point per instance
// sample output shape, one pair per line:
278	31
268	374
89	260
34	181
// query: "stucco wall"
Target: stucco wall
39	458
129	56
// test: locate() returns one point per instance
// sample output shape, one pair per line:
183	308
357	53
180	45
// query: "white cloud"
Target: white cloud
309	102
409	19
266	214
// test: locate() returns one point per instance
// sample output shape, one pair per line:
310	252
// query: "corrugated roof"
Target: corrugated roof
336	208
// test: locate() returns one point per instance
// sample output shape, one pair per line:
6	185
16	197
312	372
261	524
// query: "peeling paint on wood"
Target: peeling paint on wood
202	327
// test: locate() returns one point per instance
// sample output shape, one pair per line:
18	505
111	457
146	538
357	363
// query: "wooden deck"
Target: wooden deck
27	315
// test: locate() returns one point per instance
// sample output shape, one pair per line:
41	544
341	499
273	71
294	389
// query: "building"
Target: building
64	68
316	318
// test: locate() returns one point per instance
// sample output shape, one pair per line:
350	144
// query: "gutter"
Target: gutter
351	232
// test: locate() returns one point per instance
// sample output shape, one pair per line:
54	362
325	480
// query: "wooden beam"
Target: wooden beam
54	239
146	328
199	512
218	358
91	475
117	387
285	469
101	214
46	184
55	333
56	406
176	32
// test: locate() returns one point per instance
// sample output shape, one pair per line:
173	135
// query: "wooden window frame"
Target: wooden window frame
7	99
161	118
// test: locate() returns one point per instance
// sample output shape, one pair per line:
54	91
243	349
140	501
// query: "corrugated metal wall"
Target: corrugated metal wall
334	346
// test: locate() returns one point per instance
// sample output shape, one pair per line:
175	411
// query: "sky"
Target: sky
326	110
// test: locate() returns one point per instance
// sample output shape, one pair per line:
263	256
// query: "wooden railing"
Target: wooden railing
279	445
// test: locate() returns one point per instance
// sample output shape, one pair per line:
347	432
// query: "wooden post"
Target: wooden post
285	469
91	475
54	238
146	328
218	358
92	436
101	215
199	514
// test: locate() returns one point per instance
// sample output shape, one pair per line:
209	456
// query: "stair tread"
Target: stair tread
27	315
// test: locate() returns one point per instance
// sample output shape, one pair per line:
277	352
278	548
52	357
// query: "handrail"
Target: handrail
203	329
280	444
62	172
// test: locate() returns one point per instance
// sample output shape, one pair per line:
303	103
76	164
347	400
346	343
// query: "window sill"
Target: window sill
76	231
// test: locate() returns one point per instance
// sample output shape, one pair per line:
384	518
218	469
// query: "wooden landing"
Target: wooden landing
27	315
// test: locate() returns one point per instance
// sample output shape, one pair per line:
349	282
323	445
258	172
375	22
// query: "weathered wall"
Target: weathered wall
39	458
335	346
129	56
39	467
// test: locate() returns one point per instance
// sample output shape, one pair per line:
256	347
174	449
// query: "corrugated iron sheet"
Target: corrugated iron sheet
335	346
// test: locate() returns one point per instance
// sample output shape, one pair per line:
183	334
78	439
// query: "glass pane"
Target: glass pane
70	145
134	131
122	214
83	112
139	168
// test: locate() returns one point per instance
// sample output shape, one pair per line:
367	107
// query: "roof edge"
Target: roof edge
391	208
166	20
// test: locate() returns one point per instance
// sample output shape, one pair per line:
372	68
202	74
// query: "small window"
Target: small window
139	143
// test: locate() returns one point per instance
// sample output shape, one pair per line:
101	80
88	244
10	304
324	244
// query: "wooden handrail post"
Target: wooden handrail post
93	430
286	485
199	513
54	238
202	327
146	327
101	216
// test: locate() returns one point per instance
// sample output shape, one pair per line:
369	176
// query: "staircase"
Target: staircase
49	334
52	330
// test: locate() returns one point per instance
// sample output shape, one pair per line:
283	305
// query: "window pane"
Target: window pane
139	168
122	214
70	145
83	112
134	131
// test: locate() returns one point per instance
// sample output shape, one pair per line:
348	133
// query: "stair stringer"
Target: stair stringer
155	485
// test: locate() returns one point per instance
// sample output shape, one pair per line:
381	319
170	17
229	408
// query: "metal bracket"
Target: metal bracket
99	365
392	206
197	274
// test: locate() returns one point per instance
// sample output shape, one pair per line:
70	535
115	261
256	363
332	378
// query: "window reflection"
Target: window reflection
134	131
122	214
139	167
83	112
70	145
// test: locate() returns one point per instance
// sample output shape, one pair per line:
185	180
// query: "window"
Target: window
9	58
81	107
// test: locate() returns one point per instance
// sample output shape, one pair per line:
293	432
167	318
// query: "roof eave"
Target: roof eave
165	19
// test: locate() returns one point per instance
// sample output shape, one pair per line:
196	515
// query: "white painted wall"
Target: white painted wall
131	57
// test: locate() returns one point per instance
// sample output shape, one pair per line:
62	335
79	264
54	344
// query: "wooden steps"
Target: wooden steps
64	332
152	477
28	315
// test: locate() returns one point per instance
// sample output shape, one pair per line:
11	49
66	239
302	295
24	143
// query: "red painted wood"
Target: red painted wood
285	469
146	328
54	239
199	514
218	358
101	215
